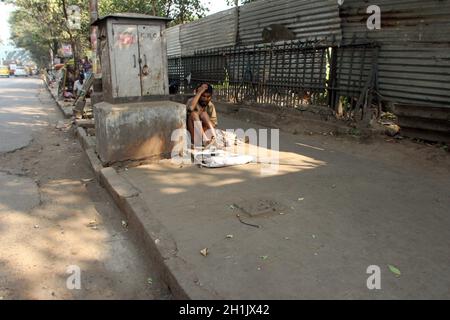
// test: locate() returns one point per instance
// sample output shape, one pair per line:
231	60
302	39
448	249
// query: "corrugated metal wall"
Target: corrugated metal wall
173	41
414	61
214	31
307	19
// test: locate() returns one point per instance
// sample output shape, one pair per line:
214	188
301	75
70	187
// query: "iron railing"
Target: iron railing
290	74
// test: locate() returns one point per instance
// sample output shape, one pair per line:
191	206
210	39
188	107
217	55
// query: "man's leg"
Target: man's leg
195	128
208	126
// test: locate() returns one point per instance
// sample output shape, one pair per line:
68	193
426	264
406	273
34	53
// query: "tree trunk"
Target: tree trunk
72	40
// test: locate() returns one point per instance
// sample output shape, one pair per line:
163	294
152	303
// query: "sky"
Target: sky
5	10
215	5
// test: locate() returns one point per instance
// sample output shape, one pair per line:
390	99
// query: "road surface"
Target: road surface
54	217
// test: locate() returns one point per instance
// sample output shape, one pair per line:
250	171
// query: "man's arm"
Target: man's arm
197	97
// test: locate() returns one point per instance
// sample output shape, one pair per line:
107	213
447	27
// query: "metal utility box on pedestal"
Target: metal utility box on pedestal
133	56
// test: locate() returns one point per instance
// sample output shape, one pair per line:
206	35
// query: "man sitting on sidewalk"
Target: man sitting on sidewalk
202	116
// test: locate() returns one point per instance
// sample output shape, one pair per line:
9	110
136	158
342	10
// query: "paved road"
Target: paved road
53	214
20	112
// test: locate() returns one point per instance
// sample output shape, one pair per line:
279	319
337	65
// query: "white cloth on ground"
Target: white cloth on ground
221	158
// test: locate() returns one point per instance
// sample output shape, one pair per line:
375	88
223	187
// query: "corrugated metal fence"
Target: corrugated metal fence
259	22
406	61
414	39
305	20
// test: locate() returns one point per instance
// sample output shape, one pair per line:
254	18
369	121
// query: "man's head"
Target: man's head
206	97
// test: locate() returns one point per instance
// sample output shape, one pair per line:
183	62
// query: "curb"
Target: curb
176	273
160	248
65	111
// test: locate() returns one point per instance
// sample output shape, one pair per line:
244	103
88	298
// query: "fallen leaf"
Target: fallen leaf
264	257
204	252
394	270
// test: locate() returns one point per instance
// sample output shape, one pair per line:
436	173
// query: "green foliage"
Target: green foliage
41	25
181	11
240	2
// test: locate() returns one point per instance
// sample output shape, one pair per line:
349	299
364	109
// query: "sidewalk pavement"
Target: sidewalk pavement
338	207
334	208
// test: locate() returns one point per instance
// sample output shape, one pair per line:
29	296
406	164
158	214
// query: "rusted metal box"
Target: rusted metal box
133	55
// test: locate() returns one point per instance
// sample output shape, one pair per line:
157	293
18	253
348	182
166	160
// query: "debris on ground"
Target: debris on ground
204	252
93	224
301	199
36	226
230	236
150	281
124	224
394	270
264	257
60	125
248	224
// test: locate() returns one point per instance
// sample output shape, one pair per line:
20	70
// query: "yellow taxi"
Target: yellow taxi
4	71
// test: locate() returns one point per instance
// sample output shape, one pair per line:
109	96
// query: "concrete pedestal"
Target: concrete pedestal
137	131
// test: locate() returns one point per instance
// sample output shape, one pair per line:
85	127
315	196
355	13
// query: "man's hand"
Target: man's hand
202	89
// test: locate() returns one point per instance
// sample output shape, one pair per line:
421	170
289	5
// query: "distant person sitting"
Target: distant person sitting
78	85
202	116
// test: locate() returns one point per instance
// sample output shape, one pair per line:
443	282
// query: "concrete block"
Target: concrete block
137	131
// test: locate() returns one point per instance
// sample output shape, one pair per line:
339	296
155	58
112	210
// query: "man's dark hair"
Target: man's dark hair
210	88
